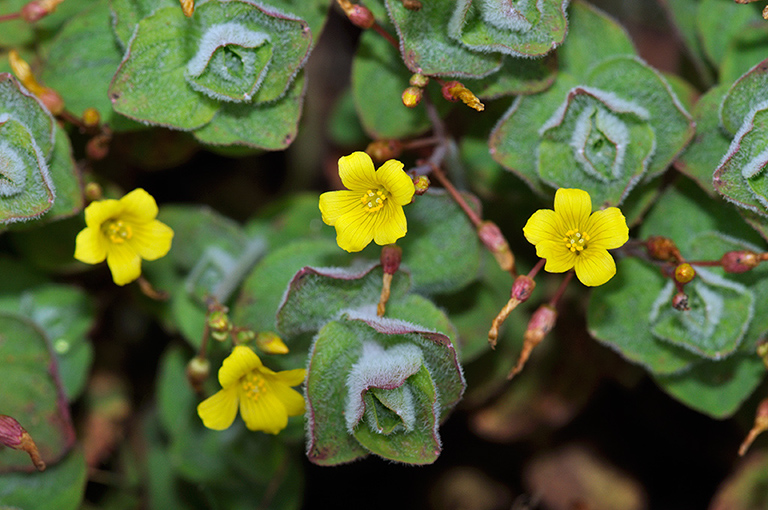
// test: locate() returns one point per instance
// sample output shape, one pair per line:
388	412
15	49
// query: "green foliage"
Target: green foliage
59	487
35	397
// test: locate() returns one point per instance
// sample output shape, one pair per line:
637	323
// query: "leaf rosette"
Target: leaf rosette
380	386
619	125
230	74
741	176
27	133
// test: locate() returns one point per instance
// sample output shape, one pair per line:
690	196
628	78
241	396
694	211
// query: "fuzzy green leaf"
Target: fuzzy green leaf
522	29
60	487
718	23
126	15
316	295
359	354
427	48
37	399
65	315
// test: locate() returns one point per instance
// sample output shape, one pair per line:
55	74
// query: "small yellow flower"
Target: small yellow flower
265	397
371	208
123	232
570	236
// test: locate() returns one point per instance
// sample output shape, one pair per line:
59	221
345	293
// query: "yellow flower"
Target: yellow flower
371	208
123	232
265	397
570	237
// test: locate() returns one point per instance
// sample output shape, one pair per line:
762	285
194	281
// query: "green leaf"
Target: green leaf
378	81
744	50
17	33
66	180
360	354
618	316
593	36
269	126
81	60
514	140
126	15
596	142
679	12
516	76
716	388
316	295
714	326
671	123
718	23
162	96
60	487
744	98
26	188
441	249
710	142
21	106
263	289
34	396
427	48
66	315
524	29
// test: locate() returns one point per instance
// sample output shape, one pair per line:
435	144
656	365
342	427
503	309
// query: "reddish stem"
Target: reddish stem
471	214
9	17
561	290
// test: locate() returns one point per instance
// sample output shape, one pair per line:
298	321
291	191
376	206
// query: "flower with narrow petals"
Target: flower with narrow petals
265	398
371	208
572	236
123	232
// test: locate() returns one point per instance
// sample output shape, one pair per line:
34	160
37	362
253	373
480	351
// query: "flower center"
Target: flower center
373	200
575	240
253	385
117	231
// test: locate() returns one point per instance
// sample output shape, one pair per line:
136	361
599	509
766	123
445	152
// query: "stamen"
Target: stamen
575	240
253	385
117	231
373	200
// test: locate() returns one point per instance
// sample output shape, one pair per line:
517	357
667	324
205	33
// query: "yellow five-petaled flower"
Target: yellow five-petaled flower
571	237
266	398
123	232
371	208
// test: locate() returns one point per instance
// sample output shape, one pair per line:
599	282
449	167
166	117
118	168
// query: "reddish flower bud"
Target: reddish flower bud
13	435
662	248
542	321
361	16
419	80
382	150
412	96
494	240
680	302
33	11
391	255
739	261
97	148
421	183
684	273
412	5
454	91
522	288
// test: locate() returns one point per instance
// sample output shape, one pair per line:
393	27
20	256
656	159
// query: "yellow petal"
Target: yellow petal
607	229
357	172
123	262
595	266
151	240
559	258
241	361
90	246
266	413
355	230
574	207
390	224
544	225
219	411
138	207
291	377
335	204
396	181
99	212
291	399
